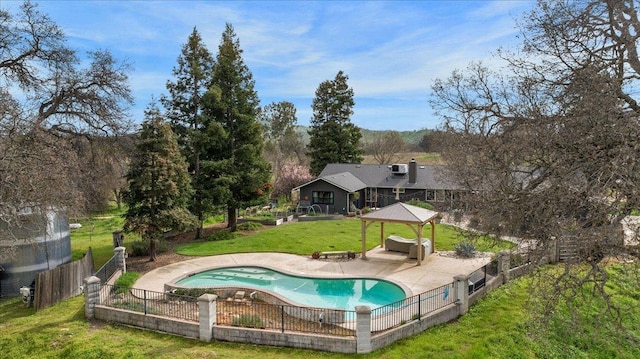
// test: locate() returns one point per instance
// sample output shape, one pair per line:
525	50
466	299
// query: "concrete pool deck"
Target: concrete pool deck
437	270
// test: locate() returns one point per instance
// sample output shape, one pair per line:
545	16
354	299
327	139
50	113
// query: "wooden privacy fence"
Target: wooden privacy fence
62	282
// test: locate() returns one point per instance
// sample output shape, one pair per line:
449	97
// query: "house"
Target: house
342	187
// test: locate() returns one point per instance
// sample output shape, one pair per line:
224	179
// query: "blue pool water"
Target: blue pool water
338	293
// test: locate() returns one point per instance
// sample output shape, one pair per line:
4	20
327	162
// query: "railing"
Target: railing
253	314
412	308
261	315
150	302
107	270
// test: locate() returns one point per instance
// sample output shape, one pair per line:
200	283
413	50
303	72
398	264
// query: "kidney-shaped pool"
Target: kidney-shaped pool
338	293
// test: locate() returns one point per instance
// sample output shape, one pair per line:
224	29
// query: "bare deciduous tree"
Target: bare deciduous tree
385	146
549	145
47	100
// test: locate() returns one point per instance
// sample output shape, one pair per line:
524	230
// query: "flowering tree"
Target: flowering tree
292	175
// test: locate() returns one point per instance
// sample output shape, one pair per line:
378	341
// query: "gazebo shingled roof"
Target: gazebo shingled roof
401	213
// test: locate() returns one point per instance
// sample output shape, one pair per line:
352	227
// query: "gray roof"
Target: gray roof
401	212
372	175
343	180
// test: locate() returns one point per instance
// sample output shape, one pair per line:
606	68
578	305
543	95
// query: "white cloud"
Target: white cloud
389	50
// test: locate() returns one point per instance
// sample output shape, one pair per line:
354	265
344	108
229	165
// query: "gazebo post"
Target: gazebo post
433	235
419	244
381	234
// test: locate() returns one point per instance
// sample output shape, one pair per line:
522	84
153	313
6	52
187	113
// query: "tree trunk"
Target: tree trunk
117	194
153	245
200	225
232	219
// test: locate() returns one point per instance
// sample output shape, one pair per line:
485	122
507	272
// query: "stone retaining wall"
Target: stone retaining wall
149	321
437	317
295	340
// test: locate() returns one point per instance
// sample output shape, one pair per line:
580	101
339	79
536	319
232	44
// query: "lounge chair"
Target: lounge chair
426	249
400	244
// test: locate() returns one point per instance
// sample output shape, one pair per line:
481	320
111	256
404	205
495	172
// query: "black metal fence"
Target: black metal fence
254	314
150	302
107	270
412	308
261	315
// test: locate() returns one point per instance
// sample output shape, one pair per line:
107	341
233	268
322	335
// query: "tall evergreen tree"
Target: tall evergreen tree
333	138
240	173
159	184
192	80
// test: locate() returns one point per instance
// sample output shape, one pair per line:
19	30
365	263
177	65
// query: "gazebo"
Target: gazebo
414	217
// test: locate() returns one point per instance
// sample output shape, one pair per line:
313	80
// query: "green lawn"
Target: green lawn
495	327
338	235
96	232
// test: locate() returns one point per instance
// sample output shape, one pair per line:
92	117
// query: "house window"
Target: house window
431	195
322	197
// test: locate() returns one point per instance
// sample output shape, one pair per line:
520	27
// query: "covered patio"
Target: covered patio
414	217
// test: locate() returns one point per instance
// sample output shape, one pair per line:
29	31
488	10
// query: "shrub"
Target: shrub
250	226
141	248
466	249
190	292
248	320
419	203
221	236
127	279
517	260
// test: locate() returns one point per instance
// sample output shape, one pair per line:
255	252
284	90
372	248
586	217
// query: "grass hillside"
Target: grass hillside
405	157
495	327
409	137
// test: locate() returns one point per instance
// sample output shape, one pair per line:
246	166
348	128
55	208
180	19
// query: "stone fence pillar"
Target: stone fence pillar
121	262
461	288
504	264
363	329
207	312
92	287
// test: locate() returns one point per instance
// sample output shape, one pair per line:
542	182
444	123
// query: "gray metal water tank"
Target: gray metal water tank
41	242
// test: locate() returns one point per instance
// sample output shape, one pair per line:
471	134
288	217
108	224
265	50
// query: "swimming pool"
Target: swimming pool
335	293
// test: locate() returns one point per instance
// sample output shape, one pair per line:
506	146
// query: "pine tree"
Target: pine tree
333	138
240	175
159	184
193	79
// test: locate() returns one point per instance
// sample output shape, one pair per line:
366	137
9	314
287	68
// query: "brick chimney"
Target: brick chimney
413	171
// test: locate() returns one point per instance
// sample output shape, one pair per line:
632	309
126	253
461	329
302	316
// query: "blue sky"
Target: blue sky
391	51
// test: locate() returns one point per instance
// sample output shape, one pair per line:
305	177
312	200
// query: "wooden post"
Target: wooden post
433	236
419	249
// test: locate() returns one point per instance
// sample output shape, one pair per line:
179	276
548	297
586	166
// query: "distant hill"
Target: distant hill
409	137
